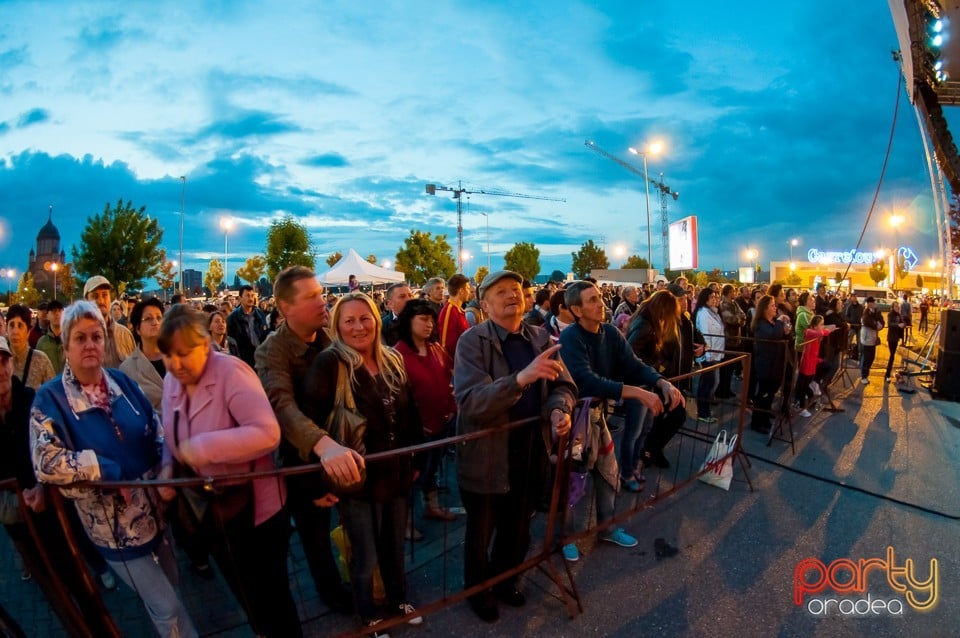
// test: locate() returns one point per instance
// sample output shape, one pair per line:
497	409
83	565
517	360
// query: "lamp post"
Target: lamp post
896	220
183	196
654	147
54	267
226	223
752	255
10	273
488	240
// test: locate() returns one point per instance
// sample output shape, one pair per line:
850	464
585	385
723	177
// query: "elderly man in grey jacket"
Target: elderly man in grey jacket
505	371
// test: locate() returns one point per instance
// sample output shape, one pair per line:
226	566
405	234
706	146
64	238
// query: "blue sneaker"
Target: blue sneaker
571	553
620	537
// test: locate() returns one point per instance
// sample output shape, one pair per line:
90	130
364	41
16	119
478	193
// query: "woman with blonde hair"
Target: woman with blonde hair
369	378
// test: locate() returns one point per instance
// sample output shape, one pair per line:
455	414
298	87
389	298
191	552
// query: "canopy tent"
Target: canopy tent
366	273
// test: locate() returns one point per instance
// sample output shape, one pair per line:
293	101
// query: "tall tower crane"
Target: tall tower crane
665	195
458	193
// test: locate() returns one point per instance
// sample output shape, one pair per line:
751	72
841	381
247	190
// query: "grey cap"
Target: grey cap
494	277
97	281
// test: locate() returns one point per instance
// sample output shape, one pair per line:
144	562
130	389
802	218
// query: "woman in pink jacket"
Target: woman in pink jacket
218	421
806	386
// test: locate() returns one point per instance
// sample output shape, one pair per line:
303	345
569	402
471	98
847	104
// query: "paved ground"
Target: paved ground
882	473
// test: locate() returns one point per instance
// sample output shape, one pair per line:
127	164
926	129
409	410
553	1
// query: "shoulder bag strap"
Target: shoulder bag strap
26	367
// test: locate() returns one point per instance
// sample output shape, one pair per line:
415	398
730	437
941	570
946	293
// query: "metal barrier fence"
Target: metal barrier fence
687	467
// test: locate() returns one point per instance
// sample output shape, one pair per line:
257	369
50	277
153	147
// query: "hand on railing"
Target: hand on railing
341	463
34	498
560	422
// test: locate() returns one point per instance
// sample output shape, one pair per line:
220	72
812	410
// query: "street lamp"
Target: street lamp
226	224
183	196
652	148
896	220
10	273
54	267
465	256
386	264
488	240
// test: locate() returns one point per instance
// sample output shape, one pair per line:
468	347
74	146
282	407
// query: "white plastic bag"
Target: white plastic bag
717	470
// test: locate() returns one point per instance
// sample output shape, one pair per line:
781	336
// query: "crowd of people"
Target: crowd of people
128	390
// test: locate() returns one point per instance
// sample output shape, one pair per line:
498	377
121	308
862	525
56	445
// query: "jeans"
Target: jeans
155	581
313	527
606	502
376	532
867	355
893	353
708	381
637	423
763	402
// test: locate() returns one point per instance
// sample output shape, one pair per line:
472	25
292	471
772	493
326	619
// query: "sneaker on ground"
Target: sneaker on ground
805	413
620	537
815	388
864	380
407	608
571	553
375	633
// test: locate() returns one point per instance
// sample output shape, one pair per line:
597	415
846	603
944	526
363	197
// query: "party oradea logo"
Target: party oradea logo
865	587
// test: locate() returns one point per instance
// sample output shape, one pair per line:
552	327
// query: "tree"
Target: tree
166	276
253	269
590	257
334	258
214	276
68	283
920	282
878	271
372	258
838	277
423	256
900	267
557	275
122	244
701	279
288	244
523	258
482	272
636	261
27	292
793	279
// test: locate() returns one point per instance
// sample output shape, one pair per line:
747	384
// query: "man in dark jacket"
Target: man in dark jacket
505	371
247	324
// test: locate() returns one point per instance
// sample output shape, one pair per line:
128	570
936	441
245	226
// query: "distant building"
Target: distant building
47	254
193	281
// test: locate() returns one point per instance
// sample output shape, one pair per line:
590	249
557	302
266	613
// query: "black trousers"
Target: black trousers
313	526
506	516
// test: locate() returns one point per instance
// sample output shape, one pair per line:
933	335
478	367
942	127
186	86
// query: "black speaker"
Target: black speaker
946	382
950	330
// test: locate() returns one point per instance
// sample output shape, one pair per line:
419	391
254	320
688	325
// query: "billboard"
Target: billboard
683	244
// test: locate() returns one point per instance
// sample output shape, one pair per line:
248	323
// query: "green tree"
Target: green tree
636	261
900	266
920	281
334	258
590	257
165	276
878	271
27	292
701	279
838	277
66	281
214	276
288	244
122	244
423	256
557	275
793	279
372	258
523	258
482	272
253	269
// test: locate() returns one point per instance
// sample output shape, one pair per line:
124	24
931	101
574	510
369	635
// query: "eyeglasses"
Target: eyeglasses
151	320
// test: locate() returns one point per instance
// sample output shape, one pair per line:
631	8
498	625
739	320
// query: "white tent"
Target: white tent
366	273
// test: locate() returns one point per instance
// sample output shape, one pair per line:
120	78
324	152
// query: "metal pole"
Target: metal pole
460	227
646	182
183	195
226	232
488	241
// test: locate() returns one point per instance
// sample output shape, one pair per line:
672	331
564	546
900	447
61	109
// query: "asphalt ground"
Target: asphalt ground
880	474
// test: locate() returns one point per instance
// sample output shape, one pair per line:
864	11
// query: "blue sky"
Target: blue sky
775	120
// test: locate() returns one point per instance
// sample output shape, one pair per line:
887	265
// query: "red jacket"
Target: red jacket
450	325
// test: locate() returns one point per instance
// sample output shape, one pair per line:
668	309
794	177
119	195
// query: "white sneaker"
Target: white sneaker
815	388
407	608
805	413
374	633
864	381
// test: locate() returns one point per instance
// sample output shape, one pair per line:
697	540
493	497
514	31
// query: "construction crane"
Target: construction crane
458	193
665	195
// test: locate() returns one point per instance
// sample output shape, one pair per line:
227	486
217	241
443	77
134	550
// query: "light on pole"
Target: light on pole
654	148
488	240
386	264
896	220
10	273
226	223
183	196
54	267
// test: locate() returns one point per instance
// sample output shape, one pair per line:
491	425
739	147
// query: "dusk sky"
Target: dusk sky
775	119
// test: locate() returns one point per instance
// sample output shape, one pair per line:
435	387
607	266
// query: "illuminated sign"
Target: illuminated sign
910	259
817	256
683	244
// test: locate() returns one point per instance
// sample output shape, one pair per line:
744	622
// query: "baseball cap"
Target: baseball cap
869	300
97	281
494	277
55	305
5	346
677	290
